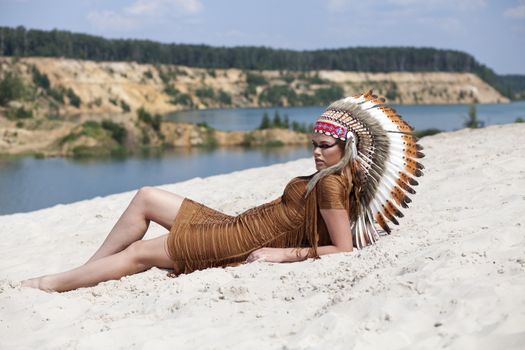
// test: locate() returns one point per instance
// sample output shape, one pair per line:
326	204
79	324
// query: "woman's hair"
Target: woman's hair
336	168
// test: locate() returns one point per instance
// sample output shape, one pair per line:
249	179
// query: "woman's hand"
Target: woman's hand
275	255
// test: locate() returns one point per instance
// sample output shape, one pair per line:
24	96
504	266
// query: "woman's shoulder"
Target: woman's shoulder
334	179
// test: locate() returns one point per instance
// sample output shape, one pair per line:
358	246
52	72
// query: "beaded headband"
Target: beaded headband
330	123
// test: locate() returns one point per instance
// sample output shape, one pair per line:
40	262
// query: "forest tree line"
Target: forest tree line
22	42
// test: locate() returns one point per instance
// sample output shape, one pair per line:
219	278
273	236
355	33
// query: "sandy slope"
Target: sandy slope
452	275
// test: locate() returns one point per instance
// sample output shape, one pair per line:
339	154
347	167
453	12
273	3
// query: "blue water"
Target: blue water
444	117
28	184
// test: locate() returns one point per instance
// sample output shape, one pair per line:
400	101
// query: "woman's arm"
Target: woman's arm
338	227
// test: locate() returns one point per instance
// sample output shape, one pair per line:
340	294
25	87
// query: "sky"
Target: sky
492	31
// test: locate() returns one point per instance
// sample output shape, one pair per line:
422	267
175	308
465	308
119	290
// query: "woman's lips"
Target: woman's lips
318	161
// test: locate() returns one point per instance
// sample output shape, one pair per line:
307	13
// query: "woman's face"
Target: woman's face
327	150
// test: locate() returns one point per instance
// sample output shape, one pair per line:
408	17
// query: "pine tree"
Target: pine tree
277	122
265	122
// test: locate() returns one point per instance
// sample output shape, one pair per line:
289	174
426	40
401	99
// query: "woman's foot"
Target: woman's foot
37	283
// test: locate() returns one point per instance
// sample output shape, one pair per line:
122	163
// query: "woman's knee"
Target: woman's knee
138	252
145	193
147	197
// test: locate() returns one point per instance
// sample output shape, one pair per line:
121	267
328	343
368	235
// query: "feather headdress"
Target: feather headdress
380	153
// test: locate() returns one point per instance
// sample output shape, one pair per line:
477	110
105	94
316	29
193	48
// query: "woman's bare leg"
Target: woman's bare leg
137	257
148	204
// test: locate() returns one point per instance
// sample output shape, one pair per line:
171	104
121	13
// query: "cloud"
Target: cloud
446	4
425	5
517	12
111	20
163	7
141	12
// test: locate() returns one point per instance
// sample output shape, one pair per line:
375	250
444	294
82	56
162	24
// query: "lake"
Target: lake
28	184
444	117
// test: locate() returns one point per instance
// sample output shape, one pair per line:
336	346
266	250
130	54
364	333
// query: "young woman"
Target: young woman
364	156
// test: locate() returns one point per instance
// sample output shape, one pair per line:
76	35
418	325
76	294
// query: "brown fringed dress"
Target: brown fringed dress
202	237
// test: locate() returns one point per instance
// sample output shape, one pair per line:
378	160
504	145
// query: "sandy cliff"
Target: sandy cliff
105	87
61	94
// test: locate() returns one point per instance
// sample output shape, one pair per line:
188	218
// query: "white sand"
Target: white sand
452	275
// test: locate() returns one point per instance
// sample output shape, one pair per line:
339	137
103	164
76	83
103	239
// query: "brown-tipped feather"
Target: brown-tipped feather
411	141
393	209
399	196
412	151
413	164
404	186
407	179
412	170
419	147
382	222
369	96
388	214
396	119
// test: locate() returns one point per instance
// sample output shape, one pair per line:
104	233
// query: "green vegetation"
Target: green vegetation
110	138
472	119
325	96
151	120
302	127
117	130
11	88
205	92
391	93
210	140
56	94
168	74
74	99
40	79
287	78
277	95
283	123
315	79
250	90
426	132
224	98
513	85
255	79
19	113
21	42
519	120
265	122
178	97
148	74
124	106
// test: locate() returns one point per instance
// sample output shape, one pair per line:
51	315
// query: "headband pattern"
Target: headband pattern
331	129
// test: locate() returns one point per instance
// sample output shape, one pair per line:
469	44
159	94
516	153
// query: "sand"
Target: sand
452	275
